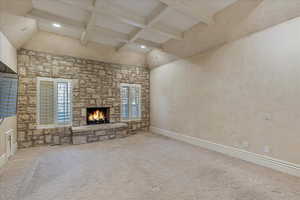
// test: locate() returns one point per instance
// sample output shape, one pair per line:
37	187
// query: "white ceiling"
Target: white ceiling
125	23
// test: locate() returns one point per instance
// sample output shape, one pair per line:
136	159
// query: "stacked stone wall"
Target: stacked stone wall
95	84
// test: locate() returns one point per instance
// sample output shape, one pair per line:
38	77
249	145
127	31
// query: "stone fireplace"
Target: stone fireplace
94	84
98	127
97	115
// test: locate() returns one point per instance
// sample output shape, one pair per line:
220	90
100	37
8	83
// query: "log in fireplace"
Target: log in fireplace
97	115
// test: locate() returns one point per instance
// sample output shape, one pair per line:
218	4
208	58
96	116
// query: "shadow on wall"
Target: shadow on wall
239	19
158	57
17	29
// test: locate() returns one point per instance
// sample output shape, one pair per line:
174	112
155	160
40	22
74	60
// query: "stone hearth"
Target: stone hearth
96	133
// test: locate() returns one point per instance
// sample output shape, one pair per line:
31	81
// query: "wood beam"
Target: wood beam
181	7
126	16
90	23
117	12
153	18
43	15
167	31
147	43
121	37
157	14
85	33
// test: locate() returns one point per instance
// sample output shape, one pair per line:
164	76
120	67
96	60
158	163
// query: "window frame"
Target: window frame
56	124
130	99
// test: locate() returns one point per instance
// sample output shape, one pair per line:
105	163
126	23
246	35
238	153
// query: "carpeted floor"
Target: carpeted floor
140	167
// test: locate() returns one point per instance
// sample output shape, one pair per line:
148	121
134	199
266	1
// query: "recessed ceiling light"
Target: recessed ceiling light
56	25
143	47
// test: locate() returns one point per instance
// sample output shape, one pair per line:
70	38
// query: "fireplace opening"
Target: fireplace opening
98	115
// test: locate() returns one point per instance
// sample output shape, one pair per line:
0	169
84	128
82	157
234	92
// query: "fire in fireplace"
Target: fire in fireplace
97	115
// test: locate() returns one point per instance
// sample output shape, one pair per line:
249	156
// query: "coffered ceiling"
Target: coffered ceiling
139	24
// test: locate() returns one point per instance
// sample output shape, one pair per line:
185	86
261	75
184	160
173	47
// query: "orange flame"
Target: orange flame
97	115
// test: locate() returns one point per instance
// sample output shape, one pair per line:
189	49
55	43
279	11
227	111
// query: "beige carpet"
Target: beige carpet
140	167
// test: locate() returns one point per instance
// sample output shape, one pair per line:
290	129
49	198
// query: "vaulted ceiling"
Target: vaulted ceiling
138	24
180	27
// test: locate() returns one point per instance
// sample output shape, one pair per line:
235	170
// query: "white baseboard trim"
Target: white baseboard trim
4	157
266	161
3	160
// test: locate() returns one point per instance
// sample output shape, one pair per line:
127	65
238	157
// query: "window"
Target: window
8	95
54	102
130	101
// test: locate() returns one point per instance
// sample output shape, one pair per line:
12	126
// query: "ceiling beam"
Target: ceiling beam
167	31
126	16
123	14
181	7
43	15
123	38
152	19
147	43
139	42
90	23
157	14
85	33
118	12
120	37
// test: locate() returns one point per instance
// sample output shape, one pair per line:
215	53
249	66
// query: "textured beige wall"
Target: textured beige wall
56	44
244	91
8	124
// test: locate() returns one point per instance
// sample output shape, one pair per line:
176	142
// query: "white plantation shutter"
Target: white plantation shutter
124	102
63	108
46	102
135	102
130	101
54	102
